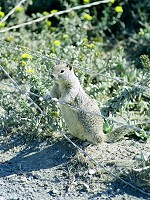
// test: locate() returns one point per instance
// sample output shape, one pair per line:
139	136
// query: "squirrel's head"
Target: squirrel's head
62	73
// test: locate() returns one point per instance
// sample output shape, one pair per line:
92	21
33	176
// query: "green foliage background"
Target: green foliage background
111	39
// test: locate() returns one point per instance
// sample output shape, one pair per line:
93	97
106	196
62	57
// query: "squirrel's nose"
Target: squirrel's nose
52	76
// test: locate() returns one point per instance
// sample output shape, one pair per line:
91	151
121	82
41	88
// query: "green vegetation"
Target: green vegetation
110	43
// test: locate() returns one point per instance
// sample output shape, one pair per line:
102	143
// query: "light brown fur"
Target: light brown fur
84	122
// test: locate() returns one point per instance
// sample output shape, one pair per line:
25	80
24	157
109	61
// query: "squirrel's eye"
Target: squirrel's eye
62	71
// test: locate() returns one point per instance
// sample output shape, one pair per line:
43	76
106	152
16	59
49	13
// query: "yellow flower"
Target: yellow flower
30	71
54	11
88	17
86	1
2	14
19	9
112	1
26	55
65	36
119	9
2	24
45	13
49	23
23	63
91	46
57	42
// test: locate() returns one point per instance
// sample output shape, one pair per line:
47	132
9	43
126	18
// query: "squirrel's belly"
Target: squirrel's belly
75	123
72	121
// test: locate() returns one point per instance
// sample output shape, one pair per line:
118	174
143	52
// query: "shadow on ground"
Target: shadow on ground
36	157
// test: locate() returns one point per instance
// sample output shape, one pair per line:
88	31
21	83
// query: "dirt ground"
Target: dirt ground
57	170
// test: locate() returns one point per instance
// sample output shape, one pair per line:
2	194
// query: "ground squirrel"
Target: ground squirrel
85	122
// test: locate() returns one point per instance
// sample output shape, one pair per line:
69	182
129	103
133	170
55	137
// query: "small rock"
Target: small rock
36	176
92	171
53	192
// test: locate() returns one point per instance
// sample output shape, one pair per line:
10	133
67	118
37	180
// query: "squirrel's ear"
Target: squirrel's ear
70	67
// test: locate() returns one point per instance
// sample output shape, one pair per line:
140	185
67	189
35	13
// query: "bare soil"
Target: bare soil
57	170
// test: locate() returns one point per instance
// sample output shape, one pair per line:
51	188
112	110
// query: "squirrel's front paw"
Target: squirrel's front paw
55	100
46	97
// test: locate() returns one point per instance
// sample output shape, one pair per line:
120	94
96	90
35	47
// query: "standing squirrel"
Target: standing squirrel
84	122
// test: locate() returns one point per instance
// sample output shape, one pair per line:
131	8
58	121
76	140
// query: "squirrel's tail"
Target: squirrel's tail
119	133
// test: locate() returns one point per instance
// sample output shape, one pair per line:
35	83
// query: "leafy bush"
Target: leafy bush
105	44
